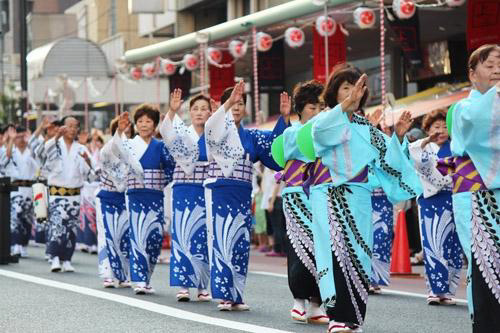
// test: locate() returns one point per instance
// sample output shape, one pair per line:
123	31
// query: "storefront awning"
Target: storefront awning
280	13
420	108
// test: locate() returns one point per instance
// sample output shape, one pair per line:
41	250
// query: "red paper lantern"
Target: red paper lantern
214	55
264	42
136	73
364	17
404	9
149	70
295	37
326	26
191	62
237	48
168	67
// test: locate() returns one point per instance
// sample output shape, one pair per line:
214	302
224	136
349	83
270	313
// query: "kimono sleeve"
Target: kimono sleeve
425	162
179	143
53	153
223	141
122	150
116	169
395	173
35	143
330	129
167	162
262	141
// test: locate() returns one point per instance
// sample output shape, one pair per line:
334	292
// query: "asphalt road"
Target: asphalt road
35	300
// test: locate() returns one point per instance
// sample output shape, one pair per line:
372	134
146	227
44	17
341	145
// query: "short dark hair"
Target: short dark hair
305	93
481	54
113	126
227	93
149	111
56	123
340	74
199	97
432	117
20	129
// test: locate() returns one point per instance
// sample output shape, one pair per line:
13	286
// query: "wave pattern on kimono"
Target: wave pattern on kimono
440	243
383	232
228	198
64	214
442	250
145	203
21	216
189	259
116	227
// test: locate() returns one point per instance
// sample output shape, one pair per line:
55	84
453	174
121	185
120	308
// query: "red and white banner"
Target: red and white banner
483	23
337	53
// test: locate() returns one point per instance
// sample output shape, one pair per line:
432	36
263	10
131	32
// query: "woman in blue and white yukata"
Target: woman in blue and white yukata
475	146
346	146
189	261
145	192
440	243
113	237
233	150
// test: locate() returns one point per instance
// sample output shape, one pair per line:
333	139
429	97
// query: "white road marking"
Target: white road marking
144	305
385	291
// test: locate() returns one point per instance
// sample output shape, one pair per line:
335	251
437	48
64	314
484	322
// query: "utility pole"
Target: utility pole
2	78
23	39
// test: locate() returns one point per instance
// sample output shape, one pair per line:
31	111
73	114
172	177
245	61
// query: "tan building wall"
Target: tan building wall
99	24
45	28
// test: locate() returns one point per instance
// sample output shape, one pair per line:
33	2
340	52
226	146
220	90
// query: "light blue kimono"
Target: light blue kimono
347	147
476	134
301	263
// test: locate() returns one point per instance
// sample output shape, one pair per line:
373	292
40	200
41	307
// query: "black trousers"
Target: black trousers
486	318
278	224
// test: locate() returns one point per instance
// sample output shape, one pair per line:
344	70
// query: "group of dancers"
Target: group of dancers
342	174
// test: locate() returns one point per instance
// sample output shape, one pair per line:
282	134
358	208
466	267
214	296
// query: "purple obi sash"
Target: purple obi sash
294	174
320	174
465	176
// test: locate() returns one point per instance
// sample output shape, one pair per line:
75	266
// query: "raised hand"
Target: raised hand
285	105
11	134
123	123
431	138
236	95
375	117
175	100
351	103
46	122
403	124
